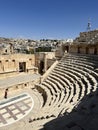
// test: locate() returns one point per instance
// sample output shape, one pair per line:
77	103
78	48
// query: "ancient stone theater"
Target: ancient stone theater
64	97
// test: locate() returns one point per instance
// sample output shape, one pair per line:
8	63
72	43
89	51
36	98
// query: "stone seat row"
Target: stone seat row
83	71
83	117
66	85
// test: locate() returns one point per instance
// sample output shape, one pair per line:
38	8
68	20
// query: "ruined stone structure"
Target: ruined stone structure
64	98
44	60
14	69
13	64
86	43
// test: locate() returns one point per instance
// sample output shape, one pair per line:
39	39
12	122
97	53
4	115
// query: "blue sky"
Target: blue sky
55	19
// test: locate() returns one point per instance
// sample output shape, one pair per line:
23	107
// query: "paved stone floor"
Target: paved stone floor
15	108
19	79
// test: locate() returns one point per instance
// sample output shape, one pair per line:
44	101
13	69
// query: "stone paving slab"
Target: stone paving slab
14	111
11	81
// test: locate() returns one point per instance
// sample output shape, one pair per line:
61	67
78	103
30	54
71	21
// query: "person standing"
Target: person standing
5	95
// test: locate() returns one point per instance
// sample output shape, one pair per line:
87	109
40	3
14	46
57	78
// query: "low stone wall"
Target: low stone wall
17	87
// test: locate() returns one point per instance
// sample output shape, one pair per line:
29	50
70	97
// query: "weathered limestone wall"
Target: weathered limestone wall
91	50
84	49
86	43
9	64
50	62
48	57
73	49
59	51
43	56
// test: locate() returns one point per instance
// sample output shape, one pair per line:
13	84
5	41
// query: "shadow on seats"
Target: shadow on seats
83	117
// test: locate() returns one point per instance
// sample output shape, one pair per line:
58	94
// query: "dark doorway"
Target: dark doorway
78	49
41	67
95	51
67	49
87	50
22	66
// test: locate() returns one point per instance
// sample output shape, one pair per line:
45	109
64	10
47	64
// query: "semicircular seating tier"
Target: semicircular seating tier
74	77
